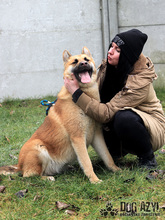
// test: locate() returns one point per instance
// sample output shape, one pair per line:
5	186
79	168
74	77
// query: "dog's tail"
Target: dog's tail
5	170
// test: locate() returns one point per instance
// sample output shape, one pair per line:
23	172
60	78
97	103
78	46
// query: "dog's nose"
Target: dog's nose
84	63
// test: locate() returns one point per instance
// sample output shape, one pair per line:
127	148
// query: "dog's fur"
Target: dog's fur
66	132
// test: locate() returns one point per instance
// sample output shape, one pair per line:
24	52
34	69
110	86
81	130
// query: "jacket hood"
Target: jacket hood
142	74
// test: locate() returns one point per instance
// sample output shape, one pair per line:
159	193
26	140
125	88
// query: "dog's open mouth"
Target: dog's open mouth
85	77
83	74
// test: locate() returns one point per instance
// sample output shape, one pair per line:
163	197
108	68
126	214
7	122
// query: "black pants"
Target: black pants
127	134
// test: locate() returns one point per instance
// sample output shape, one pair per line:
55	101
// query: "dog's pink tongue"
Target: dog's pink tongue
85	77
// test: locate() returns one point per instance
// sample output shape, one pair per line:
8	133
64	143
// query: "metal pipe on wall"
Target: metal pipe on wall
113	18
109	22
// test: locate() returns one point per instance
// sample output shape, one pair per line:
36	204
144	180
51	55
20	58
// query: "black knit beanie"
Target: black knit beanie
131	44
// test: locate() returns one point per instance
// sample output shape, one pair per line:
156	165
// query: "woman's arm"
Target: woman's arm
105	112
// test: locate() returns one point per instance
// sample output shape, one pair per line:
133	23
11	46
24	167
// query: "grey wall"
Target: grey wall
34	33
33	36
145	15
149	17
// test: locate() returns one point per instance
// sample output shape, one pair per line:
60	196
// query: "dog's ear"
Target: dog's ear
66	56
86	51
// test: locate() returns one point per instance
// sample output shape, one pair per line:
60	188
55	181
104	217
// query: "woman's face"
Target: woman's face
113	54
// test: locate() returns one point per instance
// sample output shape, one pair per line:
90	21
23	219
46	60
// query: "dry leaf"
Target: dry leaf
2	188
71	212
36	197
153	174
13	157
0	105
62	205
21	193
7	139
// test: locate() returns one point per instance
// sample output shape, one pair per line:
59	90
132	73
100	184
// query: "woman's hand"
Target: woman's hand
71	84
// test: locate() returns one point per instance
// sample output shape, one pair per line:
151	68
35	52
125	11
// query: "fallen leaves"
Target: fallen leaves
70	209
21	193
7	139
70	212
37	197
156	174
2	189
153	174
13	157
61	205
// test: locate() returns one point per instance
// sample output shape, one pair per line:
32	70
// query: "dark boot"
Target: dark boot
147	162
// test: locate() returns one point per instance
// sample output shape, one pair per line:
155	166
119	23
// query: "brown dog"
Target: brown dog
66	132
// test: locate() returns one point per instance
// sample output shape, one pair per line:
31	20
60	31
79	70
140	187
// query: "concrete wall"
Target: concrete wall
33	36
34	33
149	17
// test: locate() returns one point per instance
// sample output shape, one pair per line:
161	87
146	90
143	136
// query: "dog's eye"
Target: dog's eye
75	61
86	59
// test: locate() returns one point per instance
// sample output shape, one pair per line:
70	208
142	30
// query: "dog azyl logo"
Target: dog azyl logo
144	209
132	209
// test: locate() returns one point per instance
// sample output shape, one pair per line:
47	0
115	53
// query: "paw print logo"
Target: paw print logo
109	210
103	212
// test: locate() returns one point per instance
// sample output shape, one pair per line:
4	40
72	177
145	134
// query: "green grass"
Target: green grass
19	119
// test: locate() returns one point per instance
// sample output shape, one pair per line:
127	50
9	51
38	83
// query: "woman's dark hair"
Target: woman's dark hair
115	78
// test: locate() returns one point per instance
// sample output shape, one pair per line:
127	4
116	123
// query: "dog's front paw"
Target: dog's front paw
96	181
115	168
50	178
